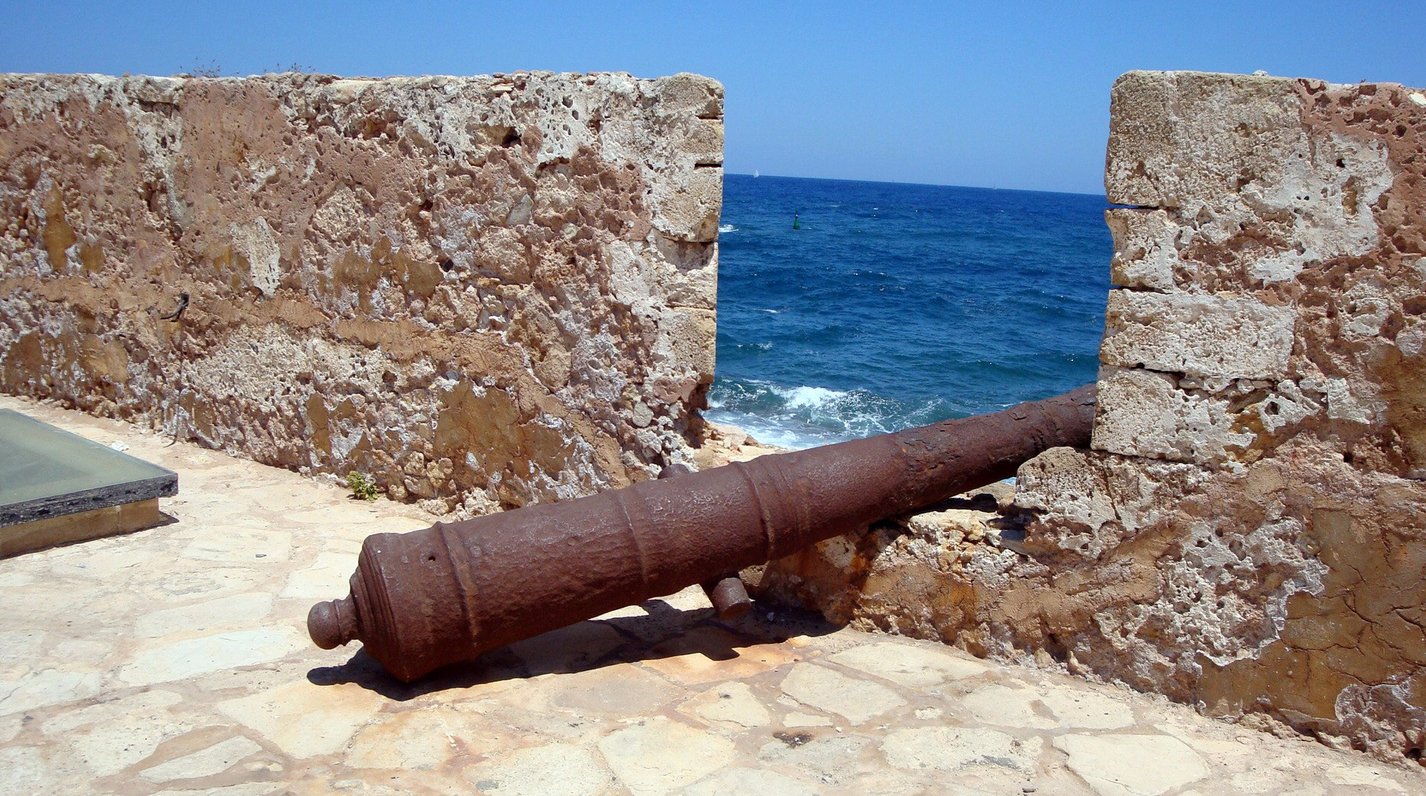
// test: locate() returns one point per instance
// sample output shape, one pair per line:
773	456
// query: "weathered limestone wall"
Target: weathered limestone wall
1248	532
473	289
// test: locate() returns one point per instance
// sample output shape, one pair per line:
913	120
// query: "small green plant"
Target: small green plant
361	485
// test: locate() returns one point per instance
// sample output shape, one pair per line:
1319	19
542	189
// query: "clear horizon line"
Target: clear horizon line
906	182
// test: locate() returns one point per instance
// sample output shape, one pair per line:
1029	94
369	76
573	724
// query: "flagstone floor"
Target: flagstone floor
175	660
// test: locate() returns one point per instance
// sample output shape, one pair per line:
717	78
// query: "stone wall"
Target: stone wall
1248	531
476	290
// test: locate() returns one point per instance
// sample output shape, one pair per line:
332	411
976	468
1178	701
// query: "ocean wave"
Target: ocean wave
768	432
724	229
804	416
813	398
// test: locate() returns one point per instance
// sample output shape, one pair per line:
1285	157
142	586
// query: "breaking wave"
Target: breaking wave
805	416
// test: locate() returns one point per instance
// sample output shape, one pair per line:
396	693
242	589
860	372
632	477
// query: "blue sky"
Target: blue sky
988	94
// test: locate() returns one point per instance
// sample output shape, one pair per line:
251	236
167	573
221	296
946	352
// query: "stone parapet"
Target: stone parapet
1248	532
478	291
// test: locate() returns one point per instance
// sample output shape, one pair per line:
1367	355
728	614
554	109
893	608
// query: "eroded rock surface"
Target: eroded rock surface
476	290
1248	533
659	697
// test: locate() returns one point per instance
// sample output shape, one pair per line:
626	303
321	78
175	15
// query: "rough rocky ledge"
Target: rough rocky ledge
478	291
1248	532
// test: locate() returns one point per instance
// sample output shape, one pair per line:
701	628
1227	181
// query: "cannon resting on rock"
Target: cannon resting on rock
448	593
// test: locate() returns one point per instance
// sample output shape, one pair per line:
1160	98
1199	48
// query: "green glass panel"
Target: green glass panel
46	471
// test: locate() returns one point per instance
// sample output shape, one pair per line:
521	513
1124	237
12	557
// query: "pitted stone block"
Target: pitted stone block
1145	251
1207	336
1179	139
1143	413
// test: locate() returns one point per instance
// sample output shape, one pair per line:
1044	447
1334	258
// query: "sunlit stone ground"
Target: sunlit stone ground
175	660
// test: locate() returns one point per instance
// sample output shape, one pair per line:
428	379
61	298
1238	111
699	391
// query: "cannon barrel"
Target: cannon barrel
448	593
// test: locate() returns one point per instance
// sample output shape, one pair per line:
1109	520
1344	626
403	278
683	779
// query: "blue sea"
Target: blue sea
853	308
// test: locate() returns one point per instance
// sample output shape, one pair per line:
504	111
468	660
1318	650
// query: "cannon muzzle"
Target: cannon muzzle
429	598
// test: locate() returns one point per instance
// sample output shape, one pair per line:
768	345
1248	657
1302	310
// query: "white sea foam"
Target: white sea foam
768	432
809	397
803	416
726	228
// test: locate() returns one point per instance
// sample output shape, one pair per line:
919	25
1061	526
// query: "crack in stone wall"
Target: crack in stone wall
480	291
1248	532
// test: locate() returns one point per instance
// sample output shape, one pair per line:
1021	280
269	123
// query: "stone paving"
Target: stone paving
175	660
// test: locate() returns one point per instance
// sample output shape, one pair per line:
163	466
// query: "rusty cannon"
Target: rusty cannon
433	597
